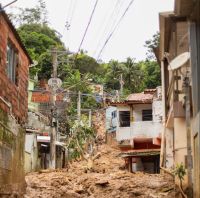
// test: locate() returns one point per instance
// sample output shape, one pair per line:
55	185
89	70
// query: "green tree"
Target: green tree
113	70
151	71
39	40
86	64
133	76
152	46
37	15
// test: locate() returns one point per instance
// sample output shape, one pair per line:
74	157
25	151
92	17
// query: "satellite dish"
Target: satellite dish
55	83
179	61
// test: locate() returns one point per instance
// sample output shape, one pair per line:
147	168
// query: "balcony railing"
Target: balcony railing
141	129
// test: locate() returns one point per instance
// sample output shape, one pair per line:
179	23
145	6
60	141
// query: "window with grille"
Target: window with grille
12	62
114	114
124	118
147	115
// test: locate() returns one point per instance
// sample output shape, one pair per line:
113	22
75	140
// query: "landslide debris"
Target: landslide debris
105	180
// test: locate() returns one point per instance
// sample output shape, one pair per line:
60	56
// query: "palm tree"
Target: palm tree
133	75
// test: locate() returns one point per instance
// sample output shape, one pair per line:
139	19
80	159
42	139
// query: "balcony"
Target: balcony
141	129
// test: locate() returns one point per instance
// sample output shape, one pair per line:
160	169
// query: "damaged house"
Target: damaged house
139	125
14	67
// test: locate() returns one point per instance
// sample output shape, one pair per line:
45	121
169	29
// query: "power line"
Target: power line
116	26
67	25
110	23
90	19
71	19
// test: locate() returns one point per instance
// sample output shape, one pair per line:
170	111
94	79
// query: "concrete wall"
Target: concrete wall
31	153
169	148
11	156
27	162
180	138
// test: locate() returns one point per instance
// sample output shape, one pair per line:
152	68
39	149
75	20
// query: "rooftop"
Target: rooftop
140	97
145	97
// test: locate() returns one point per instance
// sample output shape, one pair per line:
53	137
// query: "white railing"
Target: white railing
141	129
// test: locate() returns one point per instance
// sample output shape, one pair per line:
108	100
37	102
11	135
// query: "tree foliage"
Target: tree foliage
39	39
36	15
152	46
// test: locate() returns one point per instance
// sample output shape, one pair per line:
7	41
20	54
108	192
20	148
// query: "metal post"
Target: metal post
53	124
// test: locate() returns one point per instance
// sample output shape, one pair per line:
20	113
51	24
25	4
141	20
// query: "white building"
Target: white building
139	127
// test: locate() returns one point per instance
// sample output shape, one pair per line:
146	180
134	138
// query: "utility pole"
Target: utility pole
79	107
121	85
90	118
53	124
117	95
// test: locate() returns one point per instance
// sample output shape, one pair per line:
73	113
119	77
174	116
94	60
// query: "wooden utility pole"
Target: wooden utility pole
79	107
121	85
90	118
188	130
53	124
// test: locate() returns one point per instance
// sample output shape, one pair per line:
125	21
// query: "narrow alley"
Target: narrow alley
100	99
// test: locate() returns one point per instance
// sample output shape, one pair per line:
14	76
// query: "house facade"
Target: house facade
14	67
138	130
180	36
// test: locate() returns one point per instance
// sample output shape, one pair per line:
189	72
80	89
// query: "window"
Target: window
12	62
124	118
147	115
114	114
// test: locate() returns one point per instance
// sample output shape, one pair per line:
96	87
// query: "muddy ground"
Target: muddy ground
106	180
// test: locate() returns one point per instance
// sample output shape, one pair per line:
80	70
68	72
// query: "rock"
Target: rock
102	183
79	189
71	194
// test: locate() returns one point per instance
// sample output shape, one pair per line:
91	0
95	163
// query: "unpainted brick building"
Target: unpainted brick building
14	68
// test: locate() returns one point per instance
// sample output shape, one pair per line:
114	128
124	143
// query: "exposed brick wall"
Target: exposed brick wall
17	95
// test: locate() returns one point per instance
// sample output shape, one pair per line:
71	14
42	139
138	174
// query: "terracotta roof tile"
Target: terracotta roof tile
140	97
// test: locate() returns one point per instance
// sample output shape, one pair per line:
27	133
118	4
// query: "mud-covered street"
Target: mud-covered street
107	179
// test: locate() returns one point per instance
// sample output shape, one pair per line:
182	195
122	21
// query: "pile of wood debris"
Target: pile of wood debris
106	179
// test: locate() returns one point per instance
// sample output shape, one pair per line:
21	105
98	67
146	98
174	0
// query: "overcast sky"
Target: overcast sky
138	25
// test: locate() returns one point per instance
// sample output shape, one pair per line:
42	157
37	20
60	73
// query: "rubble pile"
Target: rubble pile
106	179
